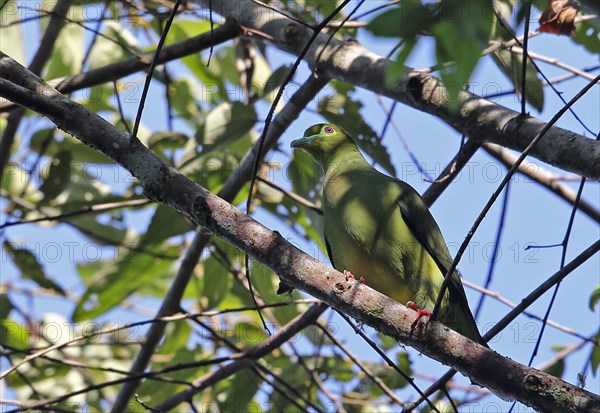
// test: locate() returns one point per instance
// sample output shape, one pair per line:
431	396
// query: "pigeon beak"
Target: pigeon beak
299	143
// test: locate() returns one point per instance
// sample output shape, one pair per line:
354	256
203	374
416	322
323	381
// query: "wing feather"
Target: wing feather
419	220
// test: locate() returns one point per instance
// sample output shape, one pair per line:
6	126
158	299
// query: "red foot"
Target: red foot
420	313
350	276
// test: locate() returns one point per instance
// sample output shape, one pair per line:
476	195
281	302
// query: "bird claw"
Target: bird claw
350	276
420	313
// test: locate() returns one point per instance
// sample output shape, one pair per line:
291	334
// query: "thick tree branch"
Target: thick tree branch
477	118
164	184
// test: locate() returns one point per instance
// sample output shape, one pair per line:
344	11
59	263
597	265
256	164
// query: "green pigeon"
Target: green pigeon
378	228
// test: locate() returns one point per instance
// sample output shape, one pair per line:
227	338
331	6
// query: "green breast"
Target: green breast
369	238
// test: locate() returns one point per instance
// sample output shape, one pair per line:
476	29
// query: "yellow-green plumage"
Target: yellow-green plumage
379	228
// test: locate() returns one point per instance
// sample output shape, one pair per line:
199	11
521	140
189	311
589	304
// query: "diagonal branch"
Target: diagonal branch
164	184
477	118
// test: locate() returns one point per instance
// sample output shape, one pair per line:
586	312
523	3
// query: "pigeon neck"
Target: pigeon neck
345	160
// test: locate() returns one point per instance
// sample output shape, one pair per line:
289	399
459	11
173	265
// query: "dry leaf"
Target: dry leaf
559	17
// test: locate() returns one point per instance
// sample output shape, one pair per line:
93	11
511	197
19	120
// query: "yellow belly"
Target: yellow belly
402	284
371	240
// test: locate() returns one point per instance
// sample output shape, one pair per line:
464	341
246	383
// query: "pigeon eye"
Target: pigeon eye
328	129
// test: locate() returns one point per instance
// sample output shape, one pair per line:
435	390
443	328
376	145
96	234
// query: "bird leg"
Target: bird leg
420	313
350	276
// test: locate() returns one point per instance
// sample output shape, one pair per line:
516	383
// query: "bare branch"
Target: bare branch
247	358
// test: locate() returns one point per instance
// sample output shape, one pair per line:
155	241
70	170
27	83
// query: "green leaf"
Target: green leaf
461	31
408	19
177	334
304	174
123	37
217	282
105	50
269	89
403	362
556	369
595	357
386	342
44	142
511	65
212	87
461	35
389	375
120	280
183	29
594	298
397	68
154	392
45	374
5	306
305	222
14	334
295	375
88	270
99	98
239	392
261	73
67	55
58	176
224	64
15	180
29	266
340	369
161	140
184	91
314	334
586	34
11	32
225	124
324	8
166	222
247	334
266	283
103	234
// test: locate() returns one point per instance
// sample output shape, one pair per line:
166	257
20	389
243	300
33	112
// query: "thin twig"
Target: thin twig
384	388
161	42
389	361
